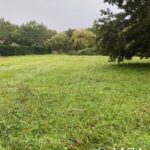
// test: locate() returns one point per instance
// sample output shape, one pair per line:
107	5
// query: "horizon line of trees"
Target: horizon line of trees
35	34
119	36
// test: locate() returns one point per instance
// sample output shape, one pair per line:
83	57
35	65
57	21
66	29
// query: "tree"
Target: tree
59	42
126	34
82	39
69	33
32	34
7	31
51	33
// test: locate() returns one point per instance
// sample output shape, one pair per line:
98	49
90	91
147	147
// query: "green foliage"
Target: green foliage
50	33
69	33
32	34
126	34
60	102
82	39
22	50
59	42
29	34
111	39
7	32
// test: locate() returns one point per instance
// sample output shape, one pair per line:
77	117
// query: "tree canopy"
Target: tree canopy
59	42
28	34
7	31
126	34
33	34
82	39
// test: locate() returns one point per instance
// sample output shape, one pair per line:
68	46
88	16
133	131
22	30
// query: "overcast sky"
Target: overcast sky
56	14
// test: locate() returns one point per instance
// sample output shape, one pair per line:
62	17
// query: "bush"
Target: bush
22	50
87	51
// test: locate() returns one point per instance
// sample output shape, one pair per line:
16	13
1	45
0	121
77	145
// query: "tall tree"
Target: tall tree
82	39
7	31
59	42
32	34
126	34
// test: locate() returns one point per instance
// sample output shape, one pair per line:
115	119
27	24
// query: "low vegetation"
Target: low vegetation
73	103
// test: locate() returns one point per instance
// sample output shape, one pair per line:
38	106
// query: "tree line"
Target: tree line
33	34
117	35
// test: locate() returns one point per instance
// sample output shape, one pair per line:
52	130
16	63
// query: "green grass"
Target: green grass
73	103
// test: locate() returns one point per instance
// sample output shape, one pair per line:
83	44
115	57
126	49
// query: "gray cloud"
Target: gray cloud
56	14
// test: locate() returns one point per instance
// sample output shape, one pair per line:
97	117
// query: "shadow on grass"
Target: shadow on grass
131	66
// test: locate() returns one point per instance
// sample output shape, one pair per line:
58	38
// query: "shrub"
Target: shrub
22	50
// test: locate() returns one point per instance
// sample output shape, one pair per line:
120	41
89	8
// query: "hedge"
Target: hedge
22	50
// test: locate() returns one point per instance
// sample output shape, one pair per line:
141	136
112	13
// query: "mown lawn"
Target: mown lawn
73	103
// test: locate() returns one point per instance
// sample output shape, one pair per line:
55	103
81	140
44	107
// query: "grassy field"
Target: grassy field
73	103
